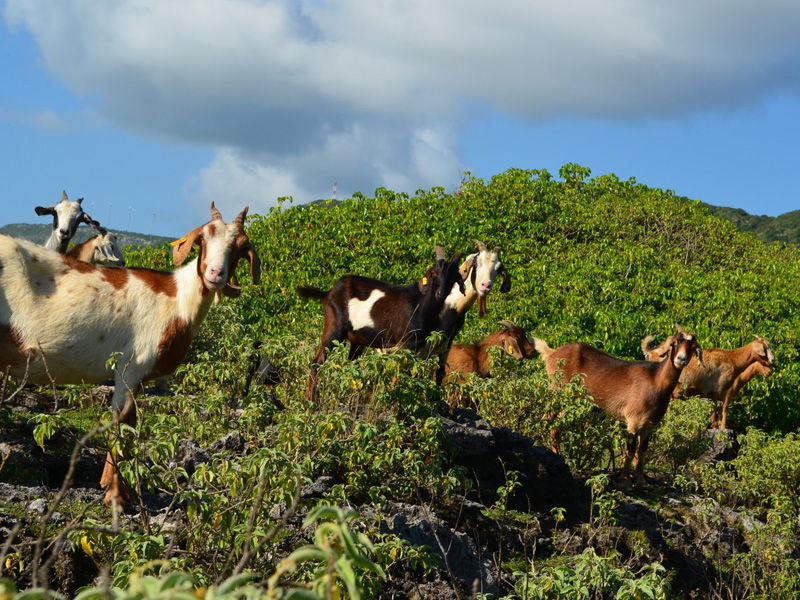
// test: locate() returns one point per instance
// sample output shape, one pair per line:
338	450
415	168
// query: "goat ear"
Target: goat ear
182	247
467	266
45	210
506	285
249	253
89	221
423	283
512	349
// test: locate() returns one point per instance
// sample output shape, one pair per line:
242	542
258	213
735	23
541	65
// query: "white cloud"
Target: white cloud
372	93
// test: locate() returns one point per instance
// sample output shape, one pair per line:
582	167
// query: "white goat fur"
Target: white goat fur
67	318
77	317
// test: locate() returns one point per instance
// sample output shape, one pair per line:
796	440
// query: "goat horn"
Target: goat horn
215	214
64	196
481	246
240	217
440	255
497	249
507	324
79	200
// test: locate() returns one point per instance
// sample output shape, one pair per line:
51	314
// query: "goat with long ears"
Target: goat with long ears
102	249
635	392
480	270
474	358
63	318
721	374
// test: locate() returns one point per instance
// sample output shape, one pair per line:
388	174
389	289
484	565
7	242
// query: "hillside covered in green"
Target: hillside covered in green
784	228
598	260
379	489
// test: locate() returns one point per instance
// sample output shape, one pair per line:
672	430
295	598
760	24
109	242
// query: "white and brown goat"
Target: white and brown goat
464	359
101	249
721	374
62	319
479	272
374	314
635	392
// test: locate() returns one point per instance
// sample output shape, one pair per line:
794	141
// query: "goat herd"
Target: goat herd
64	314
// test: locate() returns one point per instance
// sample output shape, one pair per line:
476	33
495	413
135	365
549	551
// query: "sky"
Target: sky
151	109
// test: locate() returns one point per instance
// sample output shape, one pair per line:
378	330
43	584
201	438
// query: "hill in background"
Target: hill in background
38	234
783	228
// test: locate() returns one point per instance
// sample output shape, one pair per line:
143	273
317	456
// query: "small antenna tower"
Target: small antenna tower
334	191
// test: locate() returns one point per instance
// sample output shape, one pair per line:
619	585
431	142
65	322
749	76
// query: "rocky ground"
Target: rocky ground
474	539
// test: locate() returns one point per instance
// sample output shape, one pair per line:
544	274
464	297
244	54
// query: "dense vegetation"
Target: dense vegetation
592	259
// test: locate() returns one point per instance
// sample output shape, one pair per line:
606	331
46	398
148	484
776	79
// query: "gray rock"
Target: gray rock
39	505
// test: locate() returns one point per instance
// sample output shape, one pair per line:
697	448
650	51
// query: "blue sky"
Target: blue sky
150	109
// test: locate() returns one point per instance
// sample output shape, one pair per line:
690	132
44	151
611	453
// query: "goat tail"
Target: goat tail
541	347
311	292
645	345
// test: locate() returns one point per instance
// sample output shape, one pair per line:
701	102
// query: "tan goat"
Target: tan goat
635	392
474	358
722	373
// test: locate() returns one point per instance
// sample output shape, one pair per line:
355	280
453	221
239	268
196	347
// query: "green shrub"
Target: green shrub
681	437
589	576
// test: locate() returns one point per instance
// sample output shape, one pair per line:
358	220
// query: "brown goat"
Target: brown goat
101	249
374	314
635	392
721	375
474	358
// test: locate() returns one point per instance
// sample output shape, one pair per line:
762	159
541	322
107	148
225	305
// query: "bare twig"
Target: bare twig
250	552
49	377
39	575
3	388
22	383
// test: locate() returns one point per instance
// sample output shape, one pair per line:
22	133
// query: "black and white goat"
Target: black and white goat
372	313
67	216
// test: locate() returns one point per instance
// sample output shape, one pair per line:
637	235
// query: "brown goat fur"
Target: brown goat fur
635	392
464	359
722	373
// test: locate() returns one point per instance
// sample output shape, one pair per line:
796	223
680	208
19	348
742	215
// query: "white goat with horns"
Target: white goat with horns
63	318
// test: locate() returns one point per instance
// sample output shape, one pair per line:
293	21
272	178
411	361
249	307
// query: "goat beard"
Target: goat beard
481	306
